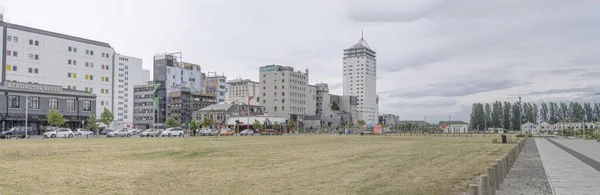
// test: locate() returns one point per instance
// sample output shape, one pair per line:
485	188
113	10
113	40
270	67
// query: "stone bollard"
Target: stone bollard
484	185
496	176
505	159
499	170
473	189
492	181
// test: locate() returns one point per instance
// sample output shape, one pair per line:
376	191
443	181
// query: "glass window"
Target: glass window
53	104
34	103
70	104
87	105
13	101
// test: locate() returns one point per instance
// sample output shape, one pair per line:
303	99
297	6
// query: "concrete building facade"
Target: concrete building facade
128	73
347	104
75	105
44	57
389	120
285	92
215	84
143	110
323	99
360	79
242	89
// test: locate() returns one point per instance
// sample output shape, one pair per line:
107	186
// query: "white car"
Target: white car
61	132
134	131
83	132
149	133
119	133
176	131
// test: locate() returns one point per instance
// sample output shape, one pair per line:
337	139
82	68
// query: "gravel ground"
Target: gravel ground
527	175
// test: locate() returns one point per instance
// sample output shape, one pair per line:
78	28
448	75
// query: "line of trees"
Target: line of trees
511	115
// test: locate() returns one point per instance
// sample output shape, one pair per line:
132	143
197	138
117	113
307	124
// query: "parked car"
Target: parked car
226	133
60	133
149	133
134	131
208	132
105	131
269	132
119	133
176	131
247	132
16	132
83	132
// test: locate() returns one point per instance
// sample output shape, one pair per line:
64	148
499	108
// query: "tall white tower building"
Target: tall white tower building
360	79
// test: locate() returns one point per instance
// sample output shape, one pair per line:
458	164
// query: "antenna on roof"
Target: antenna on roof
361	34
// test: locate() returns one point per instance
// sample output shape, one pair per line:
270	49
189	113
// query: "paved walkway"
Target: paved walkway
566	173
527	176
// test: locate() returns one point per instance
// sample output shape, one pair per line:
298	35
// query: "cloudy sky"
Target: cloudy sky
435	57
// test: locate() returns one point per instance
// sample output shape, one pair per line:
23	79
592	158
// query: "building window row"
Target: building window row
72	49
12	53
9	67
12	38
33	70
34	42
34	56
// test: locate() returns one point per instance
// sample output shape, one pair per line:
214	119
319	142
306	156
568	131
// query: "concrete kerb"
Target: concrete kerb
494	176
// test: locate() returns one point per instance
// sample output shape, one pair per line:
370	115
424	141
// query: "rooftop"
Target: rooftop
53	34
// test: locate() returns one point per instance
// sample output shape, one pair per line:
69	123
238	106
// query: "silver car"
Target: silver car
149	133
119	133
247	132
82	132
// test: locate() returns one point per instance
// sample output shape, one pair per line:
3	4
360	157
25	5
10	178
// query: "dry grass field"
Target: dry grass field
245	165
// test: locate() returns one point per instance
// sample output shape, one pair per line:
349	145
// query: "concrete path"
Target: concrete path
566	173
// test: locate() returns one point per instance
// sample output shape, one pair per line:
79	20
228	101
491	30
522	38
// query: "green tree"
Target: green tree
596	112
55	118
171	122
206	122
107	117
361	123
516	114
589	112
334	106
536	112
488	116
193	125
506	115
92	124
292	125
544	112
553	113
497	114
257	125
276	125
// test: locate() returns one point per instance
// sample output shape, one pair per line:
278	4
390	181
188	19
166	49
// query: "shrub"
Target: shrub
520	135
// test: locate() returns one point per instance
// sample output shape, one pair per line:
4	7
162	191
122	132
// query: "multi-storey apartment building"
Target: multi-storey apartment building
128	72
215	84
242	89
323	99
171	73
285	92
347	104
360	79
143	110
31	55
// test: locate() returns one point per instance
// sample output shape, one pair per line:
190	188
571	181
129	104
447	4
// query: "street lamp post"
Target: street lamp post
26	114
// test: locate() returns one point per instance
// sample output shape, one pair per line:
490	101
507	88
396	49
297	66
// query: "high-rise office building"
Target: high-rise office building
31	55
360	79
216	85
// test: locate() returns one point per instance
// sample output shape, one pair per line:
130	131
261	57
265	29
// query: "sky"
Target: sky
435	58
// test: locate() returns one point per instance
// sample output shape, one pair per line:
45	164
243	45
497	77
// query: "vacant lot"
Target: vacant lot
245	165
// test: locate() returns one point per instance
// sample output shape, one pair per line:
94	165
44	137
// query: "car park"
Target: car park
171	132
16	132
247	132
83	132
149	133
60	133
119	133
